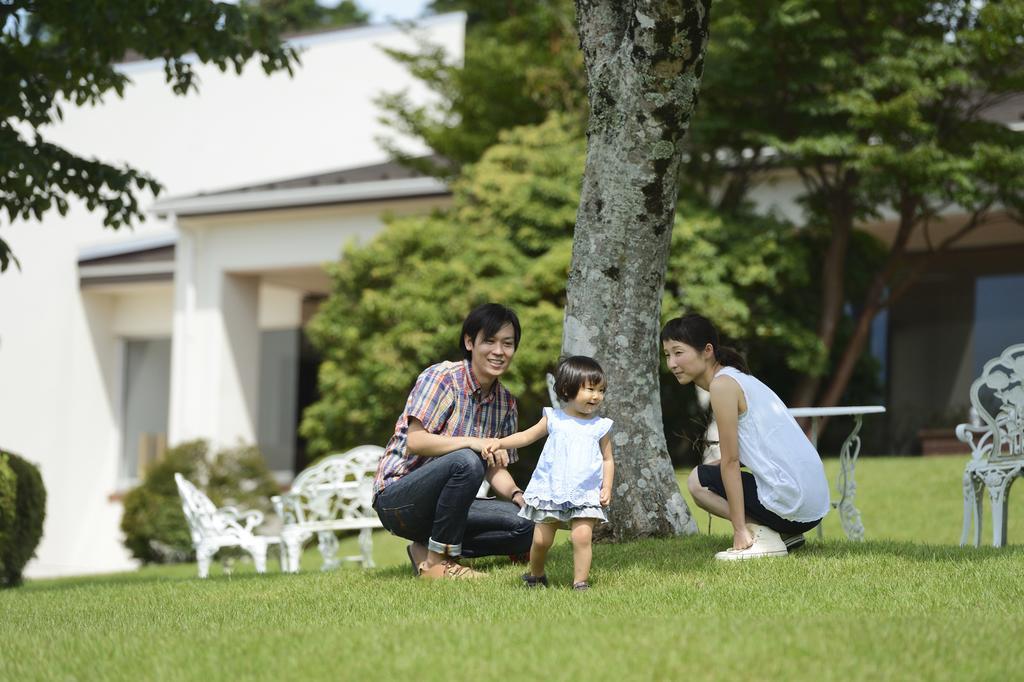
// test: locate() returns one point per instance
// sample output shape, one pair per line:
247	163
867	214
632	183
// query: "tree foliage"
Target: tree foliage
882	111
521	61
62	53
302	15
398	301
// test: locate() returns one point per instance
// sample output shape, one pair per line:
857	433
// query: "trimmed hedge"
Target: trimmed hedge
22	510
153	523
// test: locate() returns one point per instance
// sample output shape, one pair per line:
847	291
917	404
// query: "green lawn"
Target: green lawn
906	604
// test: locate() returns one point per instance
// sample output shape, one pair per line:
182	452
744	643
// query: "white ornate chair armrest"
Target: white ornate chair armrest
253	519
978	438
284	506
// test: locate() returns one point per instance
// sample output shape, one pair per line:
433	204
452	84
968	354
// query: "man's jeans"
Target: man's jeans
436	504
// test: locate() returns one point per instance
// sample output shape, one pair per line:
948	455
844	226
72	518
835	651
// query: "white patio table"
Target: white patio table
849	516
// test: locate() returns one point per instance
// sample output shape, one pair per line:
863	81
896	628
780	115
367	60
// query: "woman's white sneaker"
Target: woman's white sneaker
767	543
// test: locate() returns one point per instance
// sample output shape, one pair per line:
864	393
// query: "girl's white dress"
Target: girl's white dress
567	481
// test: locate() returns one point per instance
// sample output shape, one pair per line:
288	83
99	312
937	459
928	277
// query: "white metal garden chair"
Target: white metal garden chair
997	444
335	494
214	528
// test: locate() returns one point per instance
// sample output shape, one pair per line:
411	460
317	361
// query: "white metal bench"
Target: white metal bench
214	528
997	444
334	494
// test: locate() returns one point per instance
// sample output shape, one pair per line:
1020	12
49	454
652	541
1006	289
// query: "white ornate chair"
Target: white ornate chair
213	528
334	494
997	445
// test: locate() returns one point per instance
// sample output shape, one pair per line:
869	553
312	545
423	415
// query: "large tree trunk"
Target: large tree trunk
644	62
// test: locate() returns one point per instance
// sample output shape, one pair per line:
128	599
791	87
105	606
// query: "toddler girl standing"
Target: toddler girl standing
573	480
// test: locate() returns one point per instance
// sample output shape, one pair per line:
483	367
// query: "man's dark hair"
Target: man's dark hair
488	318
574	373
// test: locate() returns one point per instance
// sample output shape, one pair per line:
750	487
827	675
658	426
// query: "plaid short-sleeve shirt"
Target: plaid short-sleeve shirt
447	400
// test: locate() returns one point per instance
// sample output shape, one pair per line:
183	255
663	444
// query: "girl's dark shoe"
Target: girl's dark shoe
581	586
535	581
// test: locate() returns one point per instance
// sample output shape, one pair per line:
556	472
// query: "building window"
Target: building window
879	345
278	415
147	387
998	316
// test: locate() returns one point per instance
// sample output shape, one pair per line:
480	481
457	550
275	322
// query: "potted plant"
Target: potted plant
940	437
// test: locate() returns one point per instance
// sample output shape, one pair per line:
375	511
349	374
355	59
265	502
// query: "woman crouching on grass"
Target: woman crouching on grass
785	493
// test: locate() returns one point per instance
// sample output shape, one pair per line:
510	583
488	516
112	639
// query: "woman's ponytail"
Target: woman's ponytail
730	357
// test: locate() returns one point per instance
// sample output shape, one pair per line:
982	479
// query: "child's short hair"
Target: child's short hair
574	373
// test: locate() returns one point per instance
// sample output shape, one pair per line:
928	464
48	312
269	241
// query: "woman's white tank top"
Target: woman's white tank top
790	477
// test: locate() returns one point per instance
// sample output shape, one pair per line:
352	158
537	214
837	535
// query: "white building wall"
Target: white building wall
776	193
60	347
280	307
143	311
242	130
218	308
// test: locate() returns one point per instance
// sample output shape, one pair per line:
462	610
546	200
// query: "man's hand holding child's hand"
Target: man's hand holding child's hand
493	454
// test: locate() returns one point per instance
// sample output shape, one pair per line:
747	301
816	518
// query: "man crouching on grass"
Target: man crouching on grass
427	481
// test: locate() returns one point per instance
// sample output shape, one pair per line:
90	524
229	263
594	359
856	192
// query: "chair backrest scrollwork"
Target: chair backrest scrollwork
337	487
998	397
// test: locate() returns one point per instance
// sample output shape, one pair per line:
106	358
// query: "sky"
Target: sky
382	10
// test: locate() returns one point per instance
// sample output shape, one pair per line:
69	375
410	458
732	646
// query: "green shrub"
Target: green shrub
153	522
8	496
22	510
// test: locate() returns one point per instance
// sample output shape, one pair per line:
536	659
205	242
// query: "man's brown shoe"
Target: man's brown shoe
449	570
